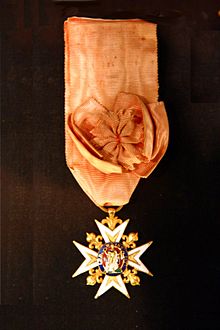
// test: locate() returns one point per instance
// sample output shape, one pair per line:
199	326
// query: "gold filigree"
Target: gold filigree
129	240
131	276
95	242
112	220
94	277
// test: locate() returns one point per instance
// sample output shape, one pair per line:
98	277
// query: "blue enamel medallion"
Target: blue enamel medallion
112	258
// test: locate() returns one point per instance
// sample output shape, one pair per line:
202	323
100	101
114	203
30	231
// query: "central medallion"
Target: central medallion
112	259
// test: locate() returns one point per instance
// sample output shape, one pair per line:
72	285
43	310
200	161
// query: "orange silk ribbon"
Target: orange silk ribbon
116	130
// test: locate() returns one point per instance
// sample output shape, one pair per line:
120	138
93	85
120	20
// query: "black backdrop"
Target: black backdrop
43	208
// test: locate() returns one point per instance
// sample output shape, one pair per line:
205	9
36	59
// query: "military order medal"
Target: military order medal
112	258
116	132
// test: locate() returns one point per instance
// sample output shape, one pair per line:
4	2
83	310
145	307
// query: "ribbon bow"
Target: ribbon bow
117	145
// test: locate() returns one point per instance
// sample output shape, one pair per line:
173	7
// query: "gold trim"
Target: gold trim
132	256
92	259
112	238
107	209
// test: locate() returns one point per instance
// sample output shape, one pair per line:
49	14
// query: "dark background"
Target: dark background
43	208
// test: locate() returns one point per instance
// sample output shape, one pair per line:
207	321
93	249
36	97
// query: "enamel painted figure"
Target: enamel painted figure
112	259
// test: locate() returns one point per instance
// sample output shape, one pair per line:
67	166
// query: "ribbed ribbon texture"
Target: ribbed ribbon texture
116	130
